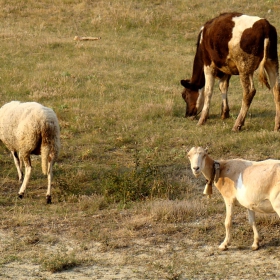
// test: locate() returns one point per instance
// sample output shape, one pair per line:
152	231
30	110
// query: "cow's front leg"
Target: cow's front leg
208	90
224	245
223	86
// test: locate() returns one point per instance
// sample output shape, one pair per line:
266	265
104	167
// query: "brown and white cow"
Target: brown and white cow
233	44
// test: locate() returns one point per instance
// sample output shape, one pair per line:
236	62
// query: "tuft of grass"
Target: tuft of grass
61	261
177	211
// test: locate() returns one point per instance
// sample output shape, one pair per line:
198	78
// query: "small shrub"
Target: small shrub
60	261
177	211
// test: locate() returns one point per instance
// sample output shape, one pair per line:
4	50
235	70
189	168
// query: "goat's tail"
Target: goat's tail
50	145
262	72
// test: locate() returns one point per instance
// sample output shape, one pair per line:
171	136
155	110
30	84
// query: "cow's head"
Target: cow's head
193	97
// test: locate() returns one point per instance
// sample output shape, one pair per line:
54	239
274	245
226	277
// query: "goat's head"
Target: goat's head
197	156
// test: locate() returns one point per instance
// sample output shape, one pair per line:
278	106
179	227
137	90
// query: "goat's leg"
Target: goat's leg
208	90
249	92
223	86
50	176
252	221
27	163
275	200
228	223
18	165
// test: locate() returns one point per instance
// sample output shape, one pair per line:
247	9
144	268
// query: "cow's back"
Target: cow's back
230	40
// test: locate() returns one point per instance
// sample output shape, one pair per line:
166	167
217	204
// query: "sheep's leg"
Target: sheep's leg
223	86
249	92
208	90
27	163
228	222
50	176
18	165
252	222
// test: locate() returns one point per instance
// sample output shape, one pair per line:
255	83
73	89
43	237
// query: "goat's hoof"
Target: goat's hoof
49	199
255	247
21	195
223	247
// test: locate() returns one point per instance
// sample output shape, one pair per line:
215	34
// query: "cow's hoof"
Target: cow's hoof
225	115
49	199
237	129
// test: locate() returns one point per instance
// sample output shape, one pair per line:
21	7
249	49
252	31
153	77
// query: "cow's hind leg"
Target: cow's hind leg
271	68
223	86
249	92
252	221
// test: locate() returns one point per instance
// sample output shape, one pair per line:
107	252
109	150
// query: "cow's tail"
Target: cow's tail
262	72
50	145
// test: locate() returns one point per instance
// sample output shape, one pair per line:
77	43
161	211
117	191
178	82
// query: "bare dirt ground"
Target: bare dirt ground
241	264
132	245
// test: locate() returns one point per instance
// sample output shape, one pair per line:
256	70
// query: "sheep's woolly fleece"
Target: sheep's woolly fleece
24	125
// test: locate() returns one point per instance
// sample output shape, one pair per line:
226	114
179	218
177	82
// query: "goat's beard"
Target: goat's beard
196	175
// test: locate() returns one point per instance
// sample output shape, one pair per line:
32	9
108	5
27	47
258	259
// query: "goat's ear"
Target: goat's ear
206	150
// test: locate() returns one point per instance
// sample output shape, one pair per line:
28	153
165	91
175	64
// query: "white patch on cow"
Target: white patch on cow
241	23
201	36
200	100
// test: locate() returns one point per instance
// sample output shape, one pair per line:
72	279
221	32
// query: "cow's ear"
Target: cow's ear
186	83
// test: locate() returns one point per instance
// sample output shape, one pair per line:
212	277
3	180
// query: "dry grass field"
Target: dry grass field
125	204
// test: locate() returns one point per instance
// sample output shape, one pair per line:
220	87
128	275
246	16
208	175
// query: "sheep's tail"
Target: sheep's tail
262	72
50	145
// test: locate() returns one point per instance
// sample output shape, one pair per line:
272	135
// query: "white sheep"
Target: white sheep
30	128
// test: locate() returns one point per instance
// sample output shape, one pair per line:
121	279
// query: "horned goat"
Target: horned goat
30	128
255	185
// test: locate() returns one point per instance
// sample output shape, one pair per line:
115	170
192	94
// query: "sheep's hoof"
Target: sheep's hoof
21	195
49	199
